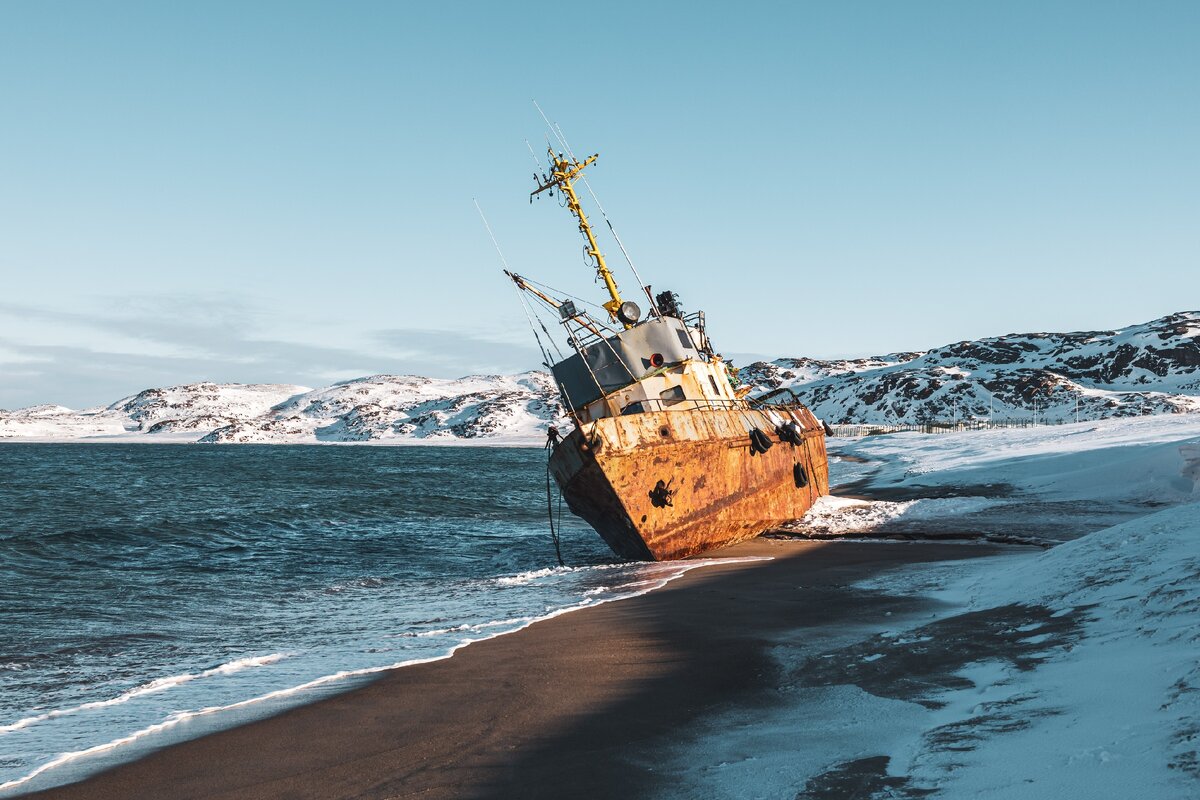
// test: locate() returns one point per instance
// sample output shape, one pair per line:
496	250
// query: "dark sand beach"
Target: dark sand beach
574	706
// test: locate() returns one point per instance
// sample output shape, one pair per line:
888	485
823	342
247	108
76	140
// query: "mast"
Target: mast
563	172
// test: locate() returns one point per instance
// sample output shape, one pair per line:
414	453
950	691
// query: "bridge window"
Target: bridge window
671	396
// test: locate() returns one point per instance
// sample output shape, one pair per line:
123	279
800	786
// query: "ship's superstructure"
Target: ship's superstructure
667	457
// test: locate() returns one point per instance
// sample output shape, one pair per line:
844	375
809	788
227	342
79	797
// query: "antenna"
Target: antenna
537	165
562	139
563	172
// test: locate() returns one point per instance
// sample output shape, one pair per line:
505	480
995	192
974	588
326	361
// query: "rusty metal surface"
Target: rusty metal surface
669	484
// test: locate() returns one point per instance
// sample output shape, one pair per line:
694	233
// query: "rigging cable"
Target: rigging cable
554	530
528	314
551	289
549	338
546	360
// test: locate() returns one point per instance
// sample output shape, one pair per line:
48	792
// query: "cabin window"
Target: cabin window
684	339
716	389
633	408
671	396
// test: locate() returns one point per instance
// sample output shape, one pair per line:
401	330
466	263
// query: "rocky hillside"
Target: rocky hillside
394	408
405	407
200	406
1143	369
186	412
1152	368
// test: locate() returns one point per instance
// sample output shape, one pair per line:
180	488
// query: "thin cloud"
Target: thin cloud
215	339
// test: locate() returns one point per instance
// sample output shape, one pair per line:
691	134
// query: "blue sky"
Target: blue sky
282	191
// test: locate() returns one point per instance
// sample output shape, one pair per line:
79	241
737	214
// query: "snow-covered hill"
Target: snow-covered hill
1143	369
1151	368
515	408
172	413
200	406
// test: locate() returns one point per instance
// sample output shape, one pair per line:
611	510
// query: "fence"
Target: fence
853	431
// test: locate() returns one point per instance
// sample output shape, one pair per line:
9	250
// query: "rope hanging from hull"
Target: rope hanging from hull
551	440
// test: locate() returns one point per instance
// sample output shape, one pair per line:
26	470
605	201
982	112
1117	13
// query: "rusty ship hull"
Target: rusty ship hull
670	484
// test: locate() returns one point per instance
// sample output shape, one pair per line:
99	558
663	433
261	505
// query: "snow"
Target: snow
514	409
1028	457
1047	483
174	413
1118	715
1150	368
1153	368
1065	672
380	409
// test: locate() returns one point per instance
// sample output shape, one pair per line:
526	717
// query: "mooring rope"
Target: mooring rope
554	533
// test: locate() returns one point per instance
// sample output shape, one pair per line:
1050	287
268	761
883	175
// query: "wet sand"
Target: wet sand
573	706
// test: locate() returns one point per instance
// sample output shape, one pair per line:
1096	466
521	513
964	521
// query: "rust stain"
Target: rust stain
722	493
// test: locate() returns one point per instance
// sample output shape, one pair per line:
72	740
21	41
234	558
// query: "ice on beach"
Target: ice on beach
1049	483
1077	673
1115	715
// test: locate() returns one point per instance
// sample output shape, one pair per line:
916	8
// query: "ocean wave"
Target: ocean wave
529	577
370	582
184	716
664	576
639	569
156	685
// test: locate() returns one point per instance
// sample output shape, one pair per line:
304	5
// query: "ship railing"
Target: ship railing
782	396
587	338
688	404
858	430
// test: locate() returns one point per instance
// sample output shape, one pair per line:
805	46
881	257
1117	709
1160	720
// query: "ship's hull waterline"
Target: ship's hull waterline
715	489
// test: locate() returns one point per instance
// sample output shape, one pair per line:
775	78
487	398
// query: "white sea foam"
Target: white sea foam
528	577
668	573
156	685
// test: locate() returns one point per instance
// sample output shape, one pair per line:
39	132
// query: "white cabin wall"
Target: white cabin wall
696	378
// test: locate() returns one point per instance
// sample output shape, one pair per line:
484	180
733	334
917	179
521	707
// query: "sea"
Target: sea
153	593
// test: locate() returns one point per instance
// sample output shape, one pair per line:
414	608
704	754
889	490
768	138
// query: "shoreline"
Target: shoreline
534	710
242	711
169	439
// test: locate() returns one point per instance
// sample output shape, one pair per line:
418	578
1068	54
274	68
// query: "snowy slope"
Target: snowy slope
58	422
1151	368
200	406
1114	711
174	412
1069	672
1099	692
515	408
1045	484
